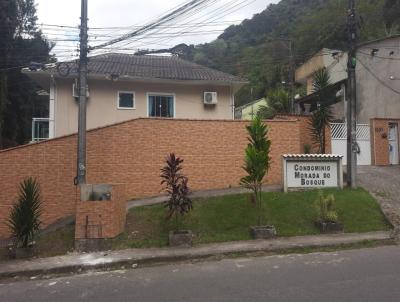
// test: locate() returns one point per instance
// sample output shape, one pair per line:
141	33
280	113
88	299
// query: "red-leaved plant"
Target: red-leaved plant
176	186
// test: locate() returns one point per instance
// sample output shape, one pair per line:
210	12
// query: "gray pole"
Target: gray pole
81	155
352	98
292	76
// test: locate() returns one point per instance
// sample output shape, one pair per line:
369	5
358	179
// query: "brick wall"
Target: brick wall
380	141
53	164
101	219
305	137
133	153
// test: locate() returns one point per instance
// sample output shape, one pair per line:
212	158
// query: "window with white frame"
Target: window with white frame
161	105
126	100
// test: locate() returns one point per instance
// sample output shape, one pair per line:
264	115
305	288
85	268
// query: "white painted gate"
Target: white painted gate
339	142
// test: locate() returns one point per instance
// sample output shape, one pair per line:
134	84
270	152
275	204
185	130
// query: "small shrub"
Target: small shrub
257	161
24	220
176	186
307	149
325	206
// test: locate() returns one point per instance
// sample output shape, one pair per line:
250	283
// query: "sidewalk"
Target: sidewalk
123	259
199	194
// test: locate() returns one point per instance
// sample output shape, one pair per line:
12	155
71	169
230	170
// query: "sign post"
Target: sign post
305	171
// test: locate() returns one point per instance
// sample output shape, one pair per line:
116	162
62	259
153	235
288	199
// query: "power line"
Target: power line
167	18
215	15
158	29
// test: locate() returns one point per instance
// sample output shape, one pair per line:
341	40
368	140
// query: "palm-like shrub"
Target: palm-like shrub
321	118
176	186
325	206
24	220
257	160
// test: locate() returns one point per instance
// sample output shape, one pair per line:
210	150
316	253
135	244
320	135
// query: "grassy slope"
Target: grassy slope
53	244
228	218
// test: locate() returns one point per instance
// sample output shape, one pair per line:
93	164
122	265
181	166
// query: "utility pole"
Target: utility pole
292	76
352	98
81	156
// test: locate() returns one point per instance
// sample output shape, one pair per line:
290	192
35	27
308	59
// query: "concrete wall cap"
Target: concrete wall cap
311	156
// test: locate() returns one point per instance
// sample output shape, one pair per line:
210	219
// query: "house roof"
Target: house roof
251	103
145	67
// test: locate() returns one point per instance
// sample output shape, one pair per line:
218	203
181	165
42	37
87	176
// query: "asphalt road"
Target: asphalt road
358	275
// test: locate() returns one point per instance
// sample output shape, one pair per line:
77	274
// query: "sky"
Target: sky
216	16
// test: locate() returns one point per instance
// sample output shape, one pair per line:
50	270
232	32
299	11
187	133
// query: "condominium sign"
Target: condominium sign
312	171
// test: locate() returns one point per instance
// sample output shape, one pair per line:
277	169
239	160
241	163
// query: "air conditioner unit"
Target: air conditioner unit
75	91
210	98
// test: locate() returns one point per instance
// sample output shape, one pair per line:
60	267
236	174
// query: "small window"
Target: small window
126	100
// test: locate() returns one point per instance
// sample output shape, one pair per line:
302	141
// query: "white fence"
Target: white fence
339	142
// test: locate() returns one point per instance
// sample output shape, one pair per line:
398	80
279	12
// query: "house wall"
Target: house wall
133	153
102	104
305	71
375	95
339	109
380	140
249	112
323	59
336	65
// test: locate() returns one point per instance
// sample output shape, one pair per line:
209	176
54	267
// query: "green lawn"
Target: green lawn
228	218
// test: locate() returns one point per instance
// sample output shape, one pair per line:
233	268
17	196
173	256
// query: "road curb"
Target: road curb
128	259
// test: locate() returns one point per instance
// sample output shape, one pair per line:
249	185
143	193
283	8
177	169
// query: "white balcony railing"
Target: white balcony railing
40	129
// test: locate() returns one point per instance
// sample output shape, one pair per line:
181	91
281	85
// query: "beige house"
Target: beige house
123	87
335	61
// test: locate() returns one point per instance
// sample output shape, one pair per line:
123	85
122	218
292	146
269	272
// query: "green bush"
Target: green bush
176	186
24	220
326	211
257	160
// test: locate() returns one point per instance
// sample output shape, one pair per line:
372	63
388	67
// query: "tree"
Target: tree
257	160
391	16
321	118
24	220
20	43
310	24
8	25
278	102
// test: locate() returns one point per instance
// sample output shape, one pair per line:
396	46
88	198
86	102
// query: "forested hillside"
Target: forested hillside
21	42
252	51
